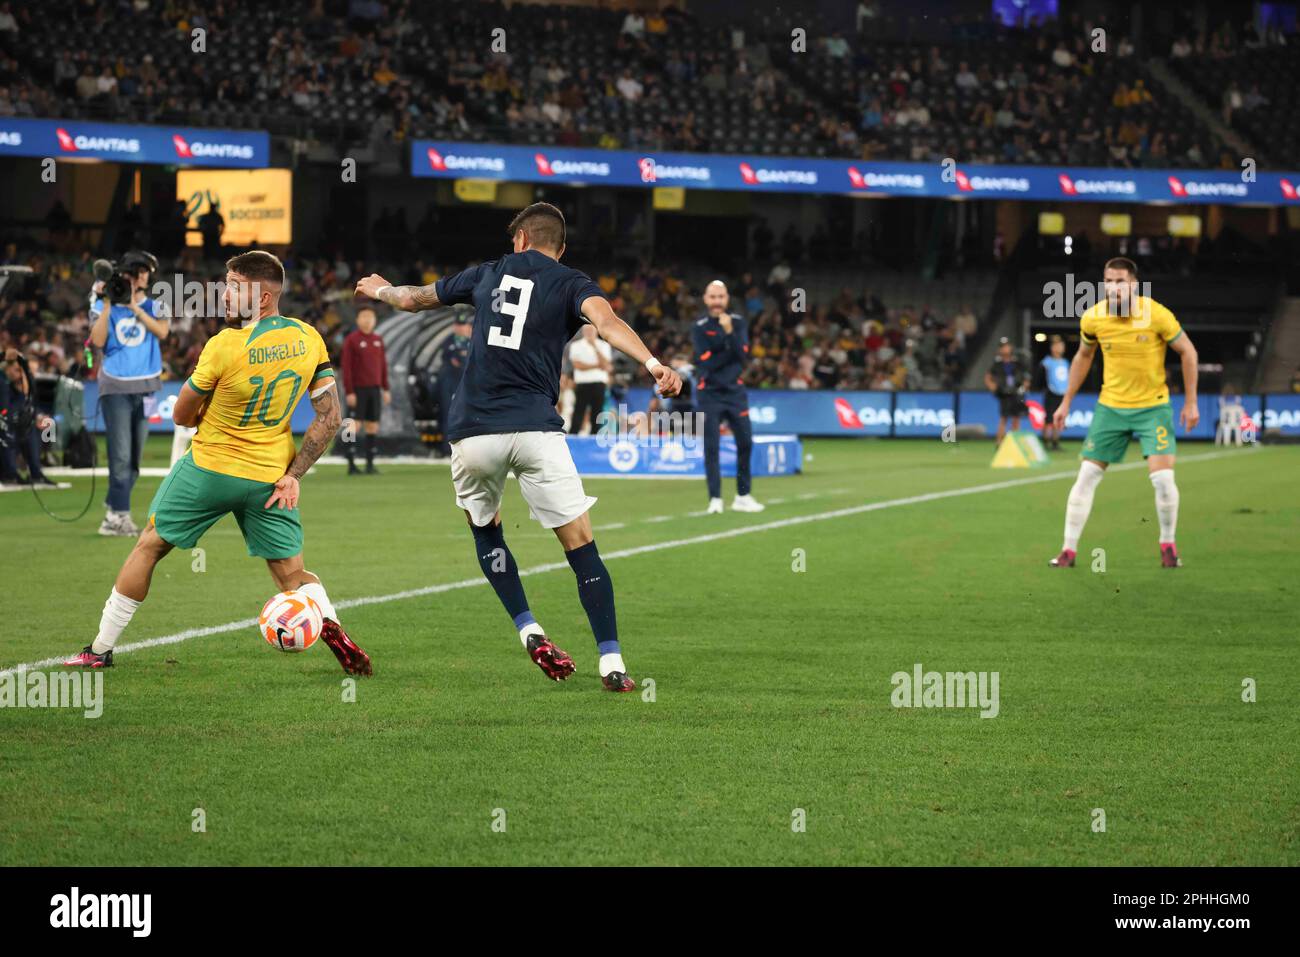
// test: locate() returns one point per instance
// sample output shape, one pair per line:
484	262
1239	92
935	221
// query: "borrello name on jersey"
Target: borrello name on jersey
527	306
255	377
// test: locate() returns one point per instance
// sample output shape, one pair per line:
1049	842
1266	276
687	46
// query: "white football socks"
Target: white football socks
316	592
611	663
1166	504
1079	504
530	629
117	615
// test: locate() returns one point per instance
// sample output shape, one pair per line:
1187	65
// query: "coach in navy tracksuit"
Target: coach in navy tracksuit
721	352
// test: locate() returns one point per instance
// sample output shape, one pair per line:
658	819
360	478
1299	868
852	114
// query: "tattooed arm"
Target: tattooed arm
407	298
319	435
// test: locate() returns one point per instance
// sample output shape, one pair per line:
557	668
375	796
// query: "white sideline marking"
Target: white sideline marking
26	486
644	549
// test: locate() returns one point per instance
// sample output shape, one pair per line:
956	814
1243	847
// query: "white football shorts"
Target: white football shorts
541	461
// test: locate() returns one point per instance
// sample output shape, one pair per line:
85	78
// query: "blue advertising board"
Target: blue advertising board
926	414
783	174
786	413
681	457
124	143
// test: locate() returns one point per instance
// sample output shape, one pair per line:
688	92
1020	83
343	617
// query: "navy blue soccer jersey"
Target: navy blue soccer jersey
527	306
720	357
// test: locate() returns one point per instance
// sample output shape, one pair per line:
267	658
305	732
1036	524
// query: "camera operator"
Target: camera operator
127	325
20	423
1008	379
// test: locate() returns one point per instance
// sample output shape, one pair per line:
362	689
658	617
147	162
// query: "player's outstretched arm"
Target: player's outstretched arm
623	337
317	439
406	298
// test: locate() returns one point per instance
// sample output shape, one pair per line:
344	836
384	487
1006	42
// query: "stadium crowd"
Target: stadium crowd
851	340
376	73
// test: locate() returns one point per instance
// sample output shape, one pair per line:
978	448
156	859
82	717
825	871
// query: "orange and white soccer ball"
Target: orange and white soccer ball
291	621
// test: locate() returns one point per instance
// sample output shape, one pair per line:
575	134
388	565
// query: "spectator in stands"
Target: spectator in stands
87	86
1254	99
629	87
634	25
836	46
1232	101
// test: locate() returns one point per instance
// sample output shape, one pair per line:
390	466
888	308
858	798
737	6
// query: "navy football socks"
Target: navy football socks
596	592
501	572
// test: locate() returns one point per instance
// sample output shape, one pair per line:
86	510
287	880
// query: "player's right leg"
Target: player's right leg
185	506
712	418
129	590
1107	442
1077	509
550	484
478	471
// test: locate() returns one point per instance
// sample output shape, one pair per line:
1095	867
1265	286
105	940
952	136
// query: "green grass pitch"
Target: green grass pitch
1119	690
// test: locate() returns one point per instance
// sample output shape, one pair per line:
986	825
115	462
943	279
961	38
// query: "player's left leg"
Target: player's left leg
1155	431
738	419
1161	470
551	486
596	592
478	471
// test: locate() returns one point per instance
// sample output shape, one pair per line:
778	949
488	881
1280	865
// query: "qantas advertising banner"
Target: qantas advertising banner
785	414
177	145
926	414
546	164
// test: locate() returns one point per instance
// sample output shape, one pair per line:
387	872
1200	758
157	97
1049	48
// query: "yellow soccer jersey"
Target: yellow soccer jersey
255	376
1133	351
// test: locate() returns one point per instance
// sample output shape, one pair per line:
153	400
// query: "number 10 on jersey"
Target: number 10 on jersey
517	310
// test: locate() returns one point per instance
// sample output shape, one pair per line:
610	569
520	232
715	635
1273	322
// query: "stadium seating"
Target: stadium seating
299	73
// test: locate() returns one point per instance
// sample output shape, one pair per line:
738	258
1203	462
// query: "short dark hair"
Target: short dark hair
258	265
544	224
1119	262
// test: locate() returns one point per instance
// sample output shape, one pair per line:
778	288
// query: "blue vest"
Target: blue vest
131	351
1058	374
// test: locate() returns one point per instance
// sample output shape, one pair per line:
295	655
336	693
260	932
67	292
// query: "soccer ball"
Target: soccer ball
291	621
